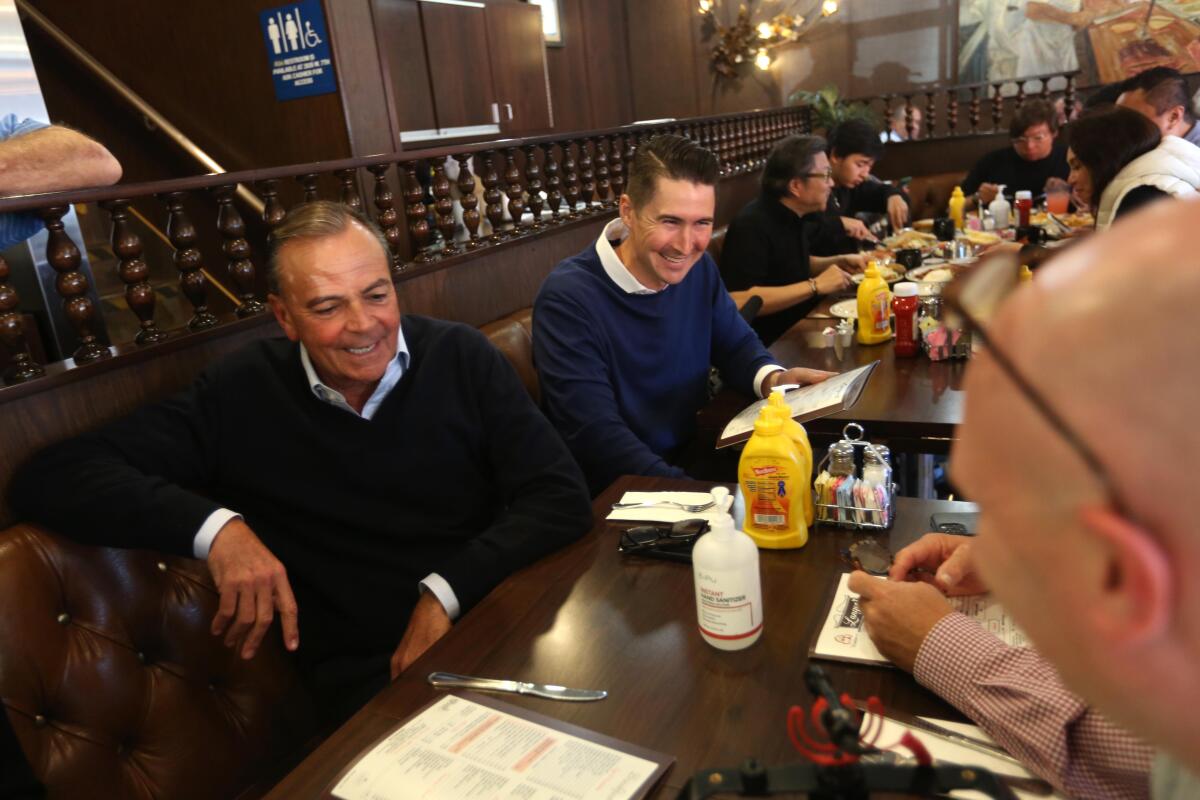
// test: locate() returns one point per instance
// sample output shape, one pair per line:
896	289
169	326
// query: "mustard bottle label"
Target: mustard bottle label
770	503
880	321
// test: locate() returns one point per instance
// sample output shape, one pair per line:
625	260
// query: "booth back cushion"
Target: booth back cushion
116	688
513	336
930	194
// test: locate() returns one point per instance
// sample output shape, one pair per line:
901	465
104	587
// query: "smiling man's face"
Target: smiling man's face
669	234
336	297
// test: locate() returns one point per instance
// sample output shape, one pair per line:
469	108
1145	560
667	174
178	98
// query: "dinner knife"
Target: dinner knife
913	721
448	680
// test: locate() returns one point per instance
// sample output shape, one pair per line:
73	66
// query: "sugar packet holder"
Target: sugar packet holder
844	497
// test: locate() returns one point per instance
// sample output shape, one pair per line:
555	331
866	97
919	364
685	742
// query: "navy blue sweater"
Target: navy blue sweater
623	375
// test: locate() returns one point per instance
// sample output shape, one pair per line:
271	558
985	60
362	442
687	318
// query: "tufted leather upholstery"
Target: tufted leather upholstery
115	687
930	194
513	336
717	242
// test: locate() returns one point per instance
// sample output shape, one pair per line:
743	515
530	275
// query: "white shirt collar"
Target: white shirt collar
391	376
611	262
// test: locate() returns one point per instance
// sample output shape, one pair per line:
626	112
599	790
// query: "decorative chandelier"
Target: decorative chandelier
754	32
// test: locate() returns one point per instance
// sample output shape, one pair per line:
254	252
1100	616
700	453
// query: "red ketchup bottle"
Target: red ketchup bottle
1024	206
904	306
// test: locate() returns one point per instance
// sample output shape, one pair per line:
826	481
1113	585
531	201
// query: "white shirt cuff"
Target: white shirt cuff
209	530
763	373
441	590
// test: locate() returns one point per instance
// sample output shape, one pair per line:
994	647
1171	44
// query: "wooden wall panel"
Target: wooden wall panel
607	60
567	65
519	67
456	41
362	75
398	33
662	56
203	66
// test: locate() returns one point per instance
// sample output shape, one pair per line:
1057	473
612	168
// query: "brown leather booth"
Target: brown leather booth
930	194
115	687
513	336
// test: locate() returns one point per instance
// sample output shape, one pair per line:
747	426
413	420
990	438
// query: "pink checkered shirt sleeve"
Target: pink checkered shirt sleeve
1018	698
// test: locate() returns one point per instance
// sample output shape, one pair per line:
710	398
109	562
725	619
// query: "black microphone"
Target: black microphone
840	722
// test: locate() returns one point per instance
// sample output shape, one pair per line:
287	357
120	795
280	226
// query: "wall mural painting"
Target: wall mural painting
1106	40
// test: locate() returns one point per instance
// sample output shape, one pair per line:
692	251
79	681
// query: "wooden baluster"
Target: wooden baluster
554	196
973	114
72	286
887	113
192	280
616	170
1020	96
468	200
237	250
908	117
951	110
515	192
603	184
930	114
139	294
806	125
628	154
1045	92
386	217
533	180
492	198
1069	97
997	105
417	213
443	207
350	197
12	333
587	176
273	211
309	182
571	178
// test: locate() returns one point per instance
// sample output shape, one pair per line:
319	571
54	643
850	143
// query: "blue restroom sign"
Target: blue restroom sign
298	50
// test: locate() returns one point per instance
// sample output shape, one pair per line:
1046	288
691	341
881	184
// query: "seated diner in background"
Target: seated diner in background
1064	454
853	149
1119	163
310	471
766	249
1033	159
898	126
1161	95
625	331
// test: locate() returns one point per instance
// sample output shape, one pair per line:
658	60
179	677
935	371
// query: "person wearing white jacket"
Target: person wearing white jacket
1119	162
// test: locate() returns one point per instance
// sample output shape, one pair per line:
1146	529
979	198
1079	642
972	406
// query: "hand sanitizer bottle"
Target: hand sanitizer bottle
728	585
1000	209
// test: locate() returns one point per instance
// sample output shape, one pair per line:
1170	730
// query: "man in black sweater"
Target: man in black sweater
1034	160
372	477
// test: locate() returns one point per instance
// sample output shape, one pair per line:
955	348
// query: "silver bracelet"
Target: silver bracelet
812	282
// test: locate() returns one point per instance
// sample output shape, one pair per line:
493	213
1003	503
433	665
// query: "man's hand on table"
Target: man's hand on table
898	615
897	211
851	262
942	559
253	584
429	622
831	281
801	375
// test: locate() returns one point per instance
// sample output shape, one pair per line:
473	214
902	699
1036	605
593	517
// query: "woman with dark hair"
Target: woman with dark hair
1120	162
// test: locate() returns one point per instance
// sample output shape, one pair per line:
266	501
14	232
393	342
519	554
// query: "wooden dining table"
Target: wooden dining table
589	617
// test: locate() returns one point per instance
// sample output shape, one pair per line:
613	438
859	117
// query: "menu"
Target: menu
807	403
844	638
466	746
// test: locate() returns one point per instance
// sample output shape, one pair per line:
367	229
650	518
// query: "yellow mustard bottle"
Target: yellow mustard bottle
957	204
795	431
874	308
1026	274
768	474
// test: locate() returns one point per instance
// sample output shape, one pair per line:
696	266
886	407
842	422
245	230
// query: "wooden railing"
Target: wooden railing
455	201
984	107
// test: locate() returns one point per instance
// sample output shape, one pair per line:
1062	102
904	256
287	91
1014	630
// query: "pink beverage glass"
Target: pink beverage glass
1057	202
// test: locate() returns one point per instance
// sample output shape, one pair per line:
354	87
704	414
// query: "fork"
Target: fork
691	508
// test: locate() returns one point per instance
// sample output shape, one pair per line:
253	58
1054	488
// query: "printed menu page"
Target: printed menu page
844	638
807	403
458	748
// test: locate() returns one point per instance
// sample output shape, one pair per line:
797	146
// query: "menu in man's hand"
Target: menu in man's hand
808	403
843	637
470	746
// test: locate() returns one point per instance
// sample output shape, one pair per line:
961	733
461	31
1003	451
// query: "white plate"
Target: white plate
845	309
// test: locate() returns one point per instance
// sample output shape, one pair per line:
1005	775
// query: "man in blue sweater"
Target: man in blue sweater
368	480
624	332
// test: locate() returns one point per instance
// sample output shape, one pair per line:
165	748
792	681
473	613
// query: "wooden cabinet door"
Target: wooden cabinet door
456	43
518	66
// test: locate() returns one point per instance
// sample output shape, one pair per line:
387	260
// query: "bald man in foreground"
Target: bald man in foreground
1085	534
